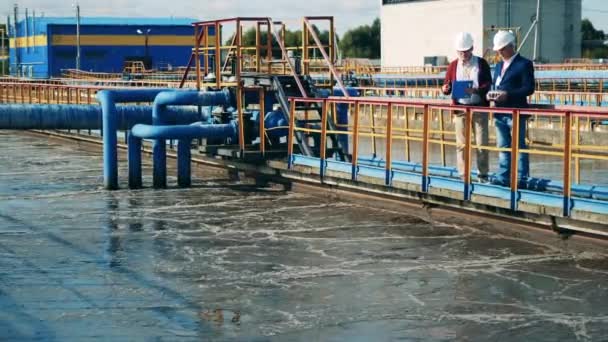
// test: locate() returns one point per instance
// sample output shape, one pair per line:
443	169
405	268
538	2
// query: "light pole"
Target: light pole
77	35
145	41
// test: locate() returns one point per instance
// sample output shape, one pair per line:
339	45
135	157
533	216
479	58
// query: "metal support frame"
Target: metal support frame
389	144
467	154
329	59
425	148
323	145
514	158
567	163
355	141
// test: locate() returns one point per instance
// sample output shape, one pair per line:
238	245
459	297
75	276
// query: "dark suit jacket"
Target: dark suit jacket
518	82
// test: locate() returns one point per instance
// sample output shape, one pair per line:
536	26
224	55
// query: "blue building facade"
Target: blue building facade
43	47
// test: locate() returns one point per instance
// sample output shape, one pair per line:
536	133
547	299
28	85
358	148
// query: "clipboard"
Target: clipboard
458	89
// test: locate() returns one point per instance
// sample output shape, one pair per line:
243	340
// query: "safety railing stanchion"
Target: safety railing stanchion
442	132
406	124
197	58
567	162
292	127
467	154
373	130
355	141
389	144
262	114
425	149
577	141
323	147
218	56
514	157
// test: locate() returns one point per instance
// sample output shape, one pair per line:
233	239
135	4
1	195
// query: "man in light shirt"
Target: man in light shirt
468	67
514	82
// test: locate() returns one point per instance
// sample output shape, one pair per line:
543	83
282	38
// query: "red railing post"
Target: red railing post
355	141
467	153
425	148
389	144
323	147
292	127
262	114
567	162
514	158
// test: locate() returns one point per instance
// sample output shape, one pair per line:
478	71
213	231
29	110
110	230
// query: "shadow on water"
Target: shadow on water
115	266
26	326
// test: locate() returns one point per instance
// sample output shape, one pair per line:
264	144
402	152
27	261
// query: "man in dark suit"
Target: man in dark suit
513	82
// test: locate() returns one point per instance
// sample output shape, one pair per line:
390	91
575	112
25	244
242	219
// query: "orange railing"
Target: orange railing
396	112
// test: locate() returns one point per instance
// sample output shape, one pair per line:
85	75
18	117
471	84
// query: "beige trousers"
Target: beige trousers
480	132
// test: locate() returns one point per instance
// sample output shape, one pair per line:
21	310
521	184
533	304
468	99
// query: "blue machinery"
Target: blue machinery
158	131
174	115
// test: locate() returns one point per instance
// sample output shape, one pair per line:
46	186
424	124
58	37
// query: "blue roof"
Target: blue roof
135	21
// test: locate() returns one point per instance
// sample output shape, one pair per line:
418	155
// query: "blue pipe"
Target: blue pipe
56	116
184	131
184	134
184	98
108	100
159	117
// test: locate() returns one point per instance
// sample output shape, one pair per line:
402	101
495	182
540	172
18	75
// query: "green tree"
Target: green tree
292	39
592	40
362	41
589	32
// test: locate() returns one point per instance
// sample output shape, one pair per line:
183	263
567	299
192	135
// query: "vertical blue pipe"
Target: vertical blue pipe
159	117
108	100
110	154
134	155
183	163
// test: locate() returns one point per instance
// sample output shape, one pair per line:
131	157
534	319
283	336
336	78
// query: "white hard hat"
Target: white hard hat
502	39
463	42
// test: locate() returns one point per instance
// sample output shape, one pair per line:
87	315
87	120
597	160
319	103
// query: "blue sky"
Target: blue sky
348	13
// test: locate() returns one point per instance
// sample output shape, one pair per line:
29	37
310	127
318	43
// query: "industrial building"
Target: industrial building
42	47
419	32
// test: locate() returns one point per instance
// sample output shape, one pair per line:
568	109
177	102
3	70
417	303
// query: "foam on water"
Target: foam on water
225	260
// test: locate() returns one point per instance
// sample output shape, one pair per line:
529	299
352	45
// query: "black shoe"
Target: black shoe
483	179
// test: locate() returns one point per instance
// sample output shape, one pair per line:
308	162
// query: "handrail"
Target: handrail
284	53
571	147
329	62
